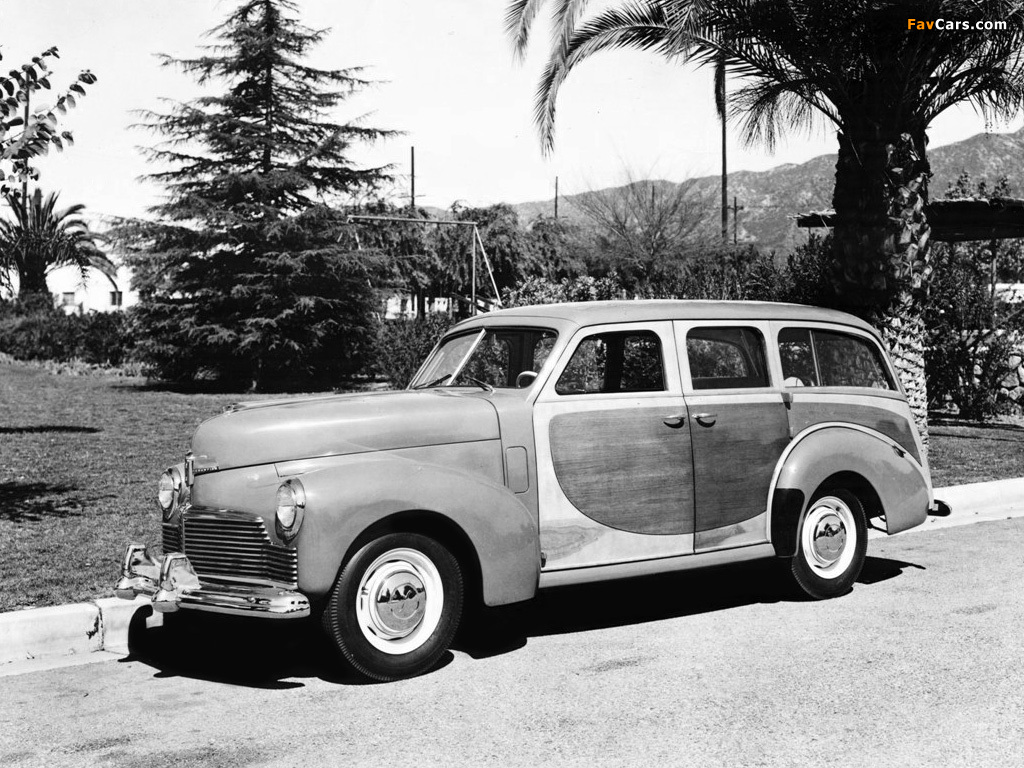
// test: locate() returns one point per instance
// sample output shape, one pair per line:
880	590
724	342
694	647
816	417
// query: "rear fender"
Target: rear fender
901	484
350	496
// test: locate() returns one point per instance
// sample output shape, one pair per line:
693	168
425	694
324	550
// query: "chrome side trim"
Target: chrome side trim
660	565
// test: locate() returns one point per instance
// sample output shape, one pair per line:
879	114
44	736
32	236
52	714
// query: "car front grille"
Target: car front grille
172	538
233	545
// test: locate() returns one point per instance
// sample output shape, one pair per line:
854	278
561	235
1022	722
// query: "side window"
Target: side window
813	358
797	354
623	361
726	358
849	361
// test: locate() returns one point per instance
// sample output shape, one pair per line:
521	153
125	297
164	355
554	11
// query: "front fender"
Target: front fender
354	493
902	484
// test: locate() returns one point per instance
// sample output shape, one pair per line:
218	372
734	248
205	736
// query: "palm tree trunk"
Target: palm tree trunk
881	263
32	281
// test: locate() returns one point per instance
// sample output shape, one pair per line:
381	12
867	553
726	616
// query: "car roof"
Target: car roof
624	311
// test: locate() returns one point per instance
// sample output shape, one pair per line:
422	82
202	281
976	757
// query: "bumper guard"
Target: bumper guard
172	583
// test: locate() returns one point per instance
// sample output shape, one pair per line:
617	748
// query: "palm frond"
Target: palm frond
637	25
519	20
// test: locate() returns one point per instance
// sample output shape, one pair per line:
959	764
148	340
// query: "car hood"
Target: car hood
333	425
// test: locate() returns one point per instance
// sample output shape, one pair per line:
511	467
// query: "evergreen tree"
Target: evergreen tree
243	278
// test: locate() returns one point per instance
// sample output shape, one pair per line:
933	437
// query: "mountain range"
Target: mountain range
769	199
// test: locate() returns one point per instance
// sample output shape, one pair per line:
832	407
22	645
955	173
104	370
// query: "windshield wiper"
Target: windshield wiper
433	383
480	383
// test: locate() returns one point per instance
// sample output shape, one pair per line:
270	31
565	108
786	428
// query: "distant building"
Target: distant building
98	293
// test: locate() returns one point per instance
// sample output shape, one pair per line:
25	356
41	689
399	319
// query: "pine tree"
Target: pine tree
243	279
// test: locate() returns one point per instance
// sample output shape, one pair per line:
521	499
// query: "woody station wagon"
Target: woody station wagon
544	446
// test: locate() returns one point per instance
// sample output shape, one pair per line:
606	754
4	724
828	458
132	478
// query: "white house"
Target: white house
97	293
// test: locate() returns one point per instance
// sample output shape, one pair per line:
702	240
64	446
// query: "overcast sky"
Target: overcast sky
450	83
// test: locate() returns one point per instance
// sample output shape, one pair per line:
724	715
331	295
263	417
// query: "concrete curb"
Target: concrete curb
70	630
77	633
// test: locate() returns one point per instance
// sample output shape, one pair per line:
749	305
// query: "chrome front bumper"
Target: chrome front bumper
172	583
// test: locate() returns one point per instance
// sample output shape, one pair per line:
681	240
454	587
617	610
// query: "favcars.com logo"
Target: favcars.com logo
946	24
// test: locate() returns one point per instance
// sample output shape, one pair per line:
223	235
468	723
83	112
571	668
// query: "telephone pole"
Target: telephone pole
556	198
736	220
412	180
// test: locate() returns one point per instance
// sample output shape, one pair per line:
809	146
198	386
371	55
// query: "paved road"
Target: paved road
919	666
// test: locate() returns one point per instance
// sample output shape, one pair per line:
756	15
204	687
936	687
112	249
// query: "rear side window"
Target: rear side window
817	358
623	361
726	358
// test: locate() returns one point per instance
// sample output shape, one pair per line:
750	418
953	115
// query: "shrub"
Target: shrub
971	333
400	345
34	330
542	290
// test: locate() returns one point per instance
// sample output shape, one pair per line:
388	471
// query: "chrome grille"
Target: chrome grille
237	547
172	538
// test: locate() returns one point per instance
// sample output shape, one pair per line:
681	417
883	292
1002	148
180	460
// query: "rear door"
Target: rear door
739	428
614	466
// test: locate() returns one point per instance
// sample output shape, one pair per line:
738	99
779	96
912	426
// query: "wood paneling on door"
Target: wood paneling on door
625	468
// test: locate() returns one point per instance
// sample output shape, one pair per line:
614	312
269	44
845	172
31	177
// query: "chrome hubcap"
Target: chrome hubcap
829	538
400	600
399	604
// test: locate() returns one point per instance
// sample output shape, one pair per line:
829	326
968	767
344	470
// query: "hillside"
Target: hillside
769	198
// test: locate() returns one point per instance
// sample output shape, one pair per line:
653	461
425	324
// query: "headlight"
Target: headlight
291	501
169	490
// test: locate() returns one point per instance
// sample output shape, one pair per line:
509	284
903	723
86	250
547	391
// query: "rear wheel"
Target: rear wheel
831	545
396	606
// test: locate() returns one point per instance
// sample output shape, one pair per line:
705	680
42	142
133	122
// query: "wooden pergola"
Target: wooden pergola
953	221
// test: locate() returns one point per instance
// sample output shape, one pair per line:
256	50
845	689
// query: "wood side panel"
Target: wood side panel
625	468
892	425
734	460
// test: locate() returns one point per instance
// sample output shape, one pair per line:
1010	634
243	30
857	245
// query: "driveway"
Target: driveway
920	665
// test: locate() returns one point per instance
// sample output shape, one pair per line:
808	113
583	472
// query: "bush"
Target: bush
542	290
971	333
34	330
402	344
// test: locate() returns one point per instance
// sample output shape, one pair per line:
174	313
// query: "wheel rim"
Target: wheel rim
399	602
829	537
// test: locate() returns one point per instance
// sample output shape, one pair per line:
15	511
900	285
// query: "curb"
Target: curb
71	634
78	629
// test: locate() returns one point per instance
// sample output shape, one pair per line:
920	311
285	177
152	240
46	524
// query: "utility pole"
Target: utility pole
556	198
412	179
736	220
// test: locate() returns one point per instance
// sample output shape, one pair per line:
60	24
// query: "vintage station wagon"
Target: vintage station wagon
544	446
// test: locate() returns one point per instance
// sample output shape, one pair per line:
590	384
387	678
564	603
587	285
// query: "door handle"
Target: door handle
675	421
706	419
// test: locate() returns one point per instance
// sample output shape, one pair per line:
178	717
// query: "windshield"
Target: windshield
492	357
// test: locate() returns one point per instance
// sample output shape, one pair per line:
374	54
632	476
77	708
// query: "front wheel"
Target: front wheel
831	545
396	606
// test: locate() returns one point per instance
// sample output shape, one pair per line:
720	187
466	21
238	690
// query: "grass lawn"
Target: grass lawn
80	458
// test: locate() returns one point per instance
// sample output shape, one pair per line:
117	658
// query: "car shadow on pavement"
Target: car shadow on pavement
277	655
567	610
253	653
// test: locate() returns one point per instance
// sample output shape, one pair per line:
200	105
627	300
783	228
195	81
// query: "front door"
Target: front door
614	465
739	426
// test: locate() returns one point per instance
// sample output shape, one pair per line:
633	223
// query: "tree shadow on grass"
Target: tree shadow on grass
233	650
48	428
985	426
31	502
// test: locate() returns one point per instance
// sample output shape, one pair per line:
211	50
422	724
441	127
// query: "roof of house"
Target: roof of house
954	221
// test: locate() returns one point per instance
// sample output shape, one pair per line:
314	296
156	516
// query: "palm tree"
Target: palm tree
41	238
865	67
